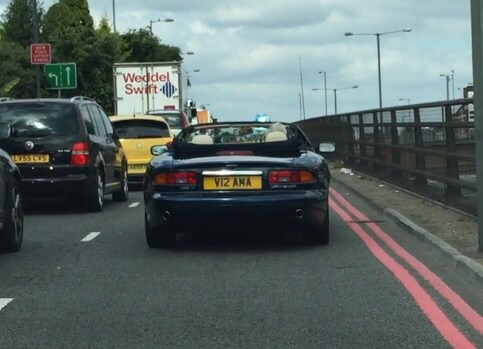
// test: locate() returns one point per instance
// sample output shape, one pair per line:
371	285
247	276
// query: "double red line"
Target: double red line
426	303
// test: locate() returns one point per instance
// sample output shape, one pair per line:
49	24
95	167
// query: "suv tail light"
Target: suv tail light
80	154
290	176
176	178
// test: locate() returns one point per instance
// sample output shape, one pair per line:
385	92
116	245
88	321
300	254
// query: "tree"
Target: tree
18	22
69	26
15	65
147	48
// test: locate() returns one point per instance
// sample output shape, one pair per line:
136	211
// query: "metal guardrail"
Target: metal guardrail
427	148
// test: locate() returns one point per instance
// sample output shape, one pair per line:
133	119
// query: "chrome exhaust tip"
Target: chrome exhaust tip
166	215
299	213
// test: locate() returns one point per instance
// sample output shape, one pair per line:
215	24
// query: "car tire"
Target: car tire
11	235
157	238
123	193
95	194
319	235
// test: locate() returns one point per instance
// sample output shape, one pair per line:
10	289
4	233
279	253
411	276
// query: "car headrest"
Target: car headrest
202	139
275	136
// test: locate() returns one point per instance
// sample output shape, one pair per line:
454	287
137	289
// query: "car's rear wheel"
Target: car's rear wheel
157	238
123	193
11	235
319	235
95	194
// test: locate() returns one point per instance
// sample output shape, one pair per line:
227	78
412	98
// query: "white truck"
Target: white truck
141	87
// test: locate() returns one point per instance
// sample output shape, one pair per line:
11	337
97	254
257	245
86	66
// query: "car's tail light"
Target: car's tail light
290	176
80	154
170	178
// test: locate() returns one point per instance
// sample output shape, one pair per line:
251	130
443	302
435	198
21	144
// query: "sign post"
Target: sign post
61	76
40	53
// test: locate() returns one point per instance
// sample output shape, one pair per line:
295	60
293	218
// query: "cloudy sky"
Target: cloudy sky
248	51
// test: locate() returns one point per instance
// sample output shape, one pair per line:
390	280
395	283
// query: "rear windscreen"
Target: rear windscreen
38	119
173	119
129	129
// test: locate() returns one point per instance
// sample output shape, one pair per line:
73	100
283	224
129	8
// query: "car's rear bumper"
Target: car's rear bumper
61	187
272	210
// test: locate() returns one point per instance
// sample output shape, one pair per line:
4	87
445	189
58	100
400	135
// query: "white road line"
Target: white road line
4	302
91	236
134	204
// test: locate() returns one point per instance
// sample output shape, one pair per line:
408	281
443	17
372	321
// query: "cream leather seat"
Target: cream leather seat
202	139
275	136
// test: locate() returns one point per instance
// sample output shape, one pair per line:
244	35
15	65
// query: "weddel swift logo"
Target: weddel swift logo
136	84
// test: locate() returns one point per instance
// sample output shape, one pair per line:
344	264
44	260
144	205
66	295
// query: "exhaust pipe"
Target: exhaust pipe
166	215
299	213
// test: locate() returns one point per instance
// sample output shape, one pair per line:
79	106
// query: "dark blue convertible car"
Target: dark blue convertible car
241	174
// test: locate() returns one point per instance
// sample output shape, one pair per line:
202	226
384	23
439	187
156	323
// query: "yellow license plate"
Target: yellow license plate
31	159
137	167
232	182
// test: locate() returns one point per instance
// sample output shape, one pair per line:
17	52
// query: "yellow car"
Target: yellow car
138	133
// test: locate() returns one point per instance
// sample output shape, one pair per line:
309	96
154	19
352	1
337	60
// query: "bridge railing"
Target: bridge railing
425	147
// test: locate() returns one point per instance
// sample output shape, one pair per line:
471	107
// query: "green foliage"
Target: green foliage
15	64
148	48
17	23
69	27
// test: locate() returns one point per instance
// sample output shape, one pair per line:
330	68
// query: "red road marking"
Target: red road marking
475	319
429	307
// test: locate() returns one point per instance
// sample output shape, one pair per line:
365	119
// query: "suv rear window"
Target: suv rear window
129	129
39	119
173	119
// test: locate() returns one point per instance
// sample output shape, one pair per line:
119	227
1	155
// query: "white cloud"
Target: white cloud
247	51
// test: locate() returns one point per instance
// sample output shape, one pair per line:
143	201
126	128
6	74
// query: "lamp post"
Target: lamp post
409	102
335	93
114	16
325	87
156	21
378	35
448	78
188	81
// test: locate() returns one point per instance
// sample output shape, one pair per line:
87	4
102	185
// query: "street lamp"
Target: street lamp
379	53
448	78
156	21
405	99
335	93
188	81
325	87
114	16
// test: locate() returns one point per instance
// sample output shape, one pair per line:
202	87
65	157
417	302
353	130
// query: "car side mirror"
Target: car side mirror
158	150
5	130
327	147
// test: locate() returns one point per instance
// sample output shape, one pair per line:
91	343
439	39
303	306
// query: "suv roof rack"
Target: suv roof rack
82	98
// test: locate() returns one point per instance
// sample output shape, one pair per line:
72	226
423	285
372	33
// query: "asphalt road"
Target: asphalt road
90	281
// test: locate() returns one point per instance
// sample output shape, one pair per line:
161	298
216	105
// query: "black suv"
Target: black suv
65	148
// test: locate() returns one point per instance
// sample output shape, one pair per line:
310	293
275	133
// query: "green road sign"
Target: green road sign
61	76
